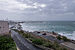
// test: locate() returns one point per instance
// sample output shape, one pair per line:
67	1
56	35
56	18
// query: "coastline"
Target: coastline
62	28
68	35
52	36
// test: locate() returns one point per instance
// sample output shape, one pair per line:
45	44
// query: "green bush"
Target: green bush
59	37
21	31
37	41
7	43
26	35
62	38
65	38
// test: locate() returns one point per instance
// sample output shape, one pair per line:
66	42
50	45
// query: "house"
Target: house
18	26
4	27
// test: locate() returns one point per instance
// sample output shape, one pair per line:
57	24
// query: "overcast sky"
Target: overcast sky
37	10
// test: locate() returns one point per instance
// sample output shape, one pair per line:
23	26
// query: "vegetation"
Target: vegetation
59	37
7	43
41	41
65	38
37	41
62	38
48	44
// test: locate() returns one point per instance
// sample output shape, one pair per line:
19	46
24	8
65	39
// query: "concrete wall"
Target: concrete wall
4	27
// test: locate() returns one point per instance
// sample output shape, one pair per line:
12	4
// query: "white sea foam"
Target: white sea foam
68	35
27	28
73	35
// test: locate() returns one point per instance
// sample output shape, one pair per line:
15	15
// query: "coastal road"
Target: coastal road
22	43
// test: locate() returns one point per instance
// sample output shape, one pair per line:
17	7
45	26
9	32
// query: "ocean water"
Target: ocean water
66	28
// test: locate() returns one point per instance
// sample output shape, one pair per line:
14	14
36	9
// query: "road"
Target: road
21	42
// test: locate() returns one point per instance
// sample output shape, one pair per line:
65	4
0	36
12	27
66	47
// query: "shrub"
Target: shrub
62	38
7	43
37	41
59	37
65	38
26	35
21	31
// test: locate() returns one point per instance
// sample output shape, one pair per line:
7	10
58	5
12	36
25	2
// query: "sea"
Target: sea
65	28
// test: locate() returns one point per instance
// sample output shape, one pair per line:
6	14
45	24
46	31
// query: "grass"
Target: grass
7	43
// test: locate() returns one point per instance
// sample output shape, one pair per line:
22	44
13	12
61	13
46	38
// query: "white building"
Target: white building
4	27
18	26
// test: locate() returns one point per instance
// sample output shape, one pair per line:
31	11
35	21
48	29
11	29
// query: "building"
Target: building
18	26
4	27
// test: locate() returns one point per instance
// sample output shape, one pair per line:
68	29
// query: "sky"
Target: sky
37	10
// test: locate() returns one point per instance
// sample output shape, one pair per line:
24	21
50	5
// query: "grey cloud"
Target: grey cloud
54	10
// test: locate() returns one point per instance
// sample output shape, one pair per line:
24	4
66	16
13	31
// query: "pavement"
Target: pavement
69	45
21	42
